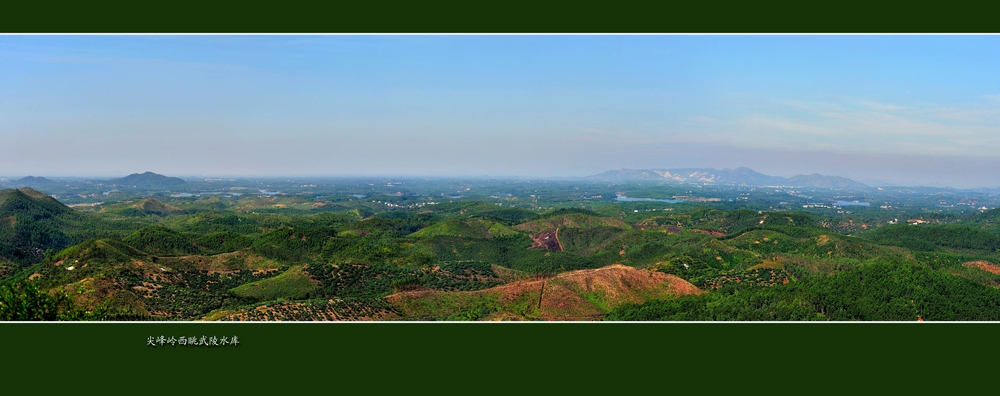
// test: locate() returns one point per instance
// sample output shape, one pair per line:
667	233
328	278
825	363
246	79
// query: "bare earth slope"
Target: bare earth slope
578	295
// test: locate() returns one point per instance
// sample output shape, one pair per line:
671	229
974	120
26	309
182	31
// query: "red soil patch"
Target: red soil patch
568	296
985	266
709	232
548	239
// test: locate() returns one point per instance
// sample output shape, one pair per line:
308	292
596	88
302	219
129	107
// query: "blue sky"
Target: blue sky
898	109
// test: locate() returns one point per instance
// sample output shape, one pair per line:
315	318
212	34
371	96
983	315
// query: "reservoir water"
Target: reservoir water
851	203
224	194
627	199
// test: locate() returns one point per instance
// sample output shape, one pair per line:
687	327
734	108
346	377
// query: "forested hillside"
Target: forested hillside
274	257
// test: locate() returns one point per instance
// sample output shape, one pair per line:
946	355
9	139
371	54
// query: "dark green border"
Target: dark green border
508	357
186	16
505	357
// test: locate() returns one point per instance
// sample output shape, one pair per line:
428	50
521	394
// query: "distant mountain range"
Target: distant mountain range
147	180
738	176
32	181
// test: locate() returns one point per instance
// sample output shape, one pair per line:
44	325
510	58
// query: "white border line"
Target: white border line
499	34
485	322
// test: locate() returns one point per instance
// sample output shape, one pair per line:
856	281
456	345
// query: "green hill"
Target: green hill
875	291
465	227
508	216
578	295
292	284
184	258
571	220
152	206
828	244
147	180
162	241
31	223
92	259
30	199
987	220
99	251
936	237
292	244
34	182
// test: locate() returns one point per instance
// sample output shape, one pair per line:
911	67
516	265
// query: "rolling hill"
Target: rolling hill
153	206
578	295
32	222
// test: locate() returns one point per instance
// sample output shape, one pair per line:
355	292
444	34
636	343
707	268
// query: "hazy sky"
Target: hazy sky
901	109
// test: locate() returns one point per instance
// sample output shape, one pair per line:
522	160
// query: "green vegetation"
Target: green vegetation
161	241
874	291
935	238
24	301
32	223
292	284
471	228
274	250
147	180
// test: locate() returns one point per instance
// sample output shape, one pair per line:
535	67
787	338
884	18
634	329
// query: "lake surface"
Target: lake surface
187	195
627	199
851	203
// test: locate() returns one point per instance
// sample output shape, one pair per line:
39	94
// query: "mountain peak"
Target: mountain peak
32	181
147	180
739	176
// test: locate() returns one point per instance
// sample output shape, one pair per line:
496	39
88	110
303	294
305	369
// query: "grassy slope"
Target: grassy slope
467	227
292	284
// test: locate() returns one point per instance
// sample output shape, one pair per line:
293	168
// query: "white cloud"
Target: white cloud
862	126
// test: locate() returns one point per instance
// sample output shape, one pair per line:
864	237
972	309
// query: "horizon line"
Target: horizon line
198	177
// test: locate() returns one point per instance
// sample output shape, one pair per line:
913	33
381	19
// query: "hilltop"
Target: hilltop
472	228
739	176
31	222
571	220
26	200
147	180
578	295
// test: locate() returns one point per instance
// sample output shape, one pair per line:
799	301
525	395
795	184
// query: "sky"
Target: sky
897	109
